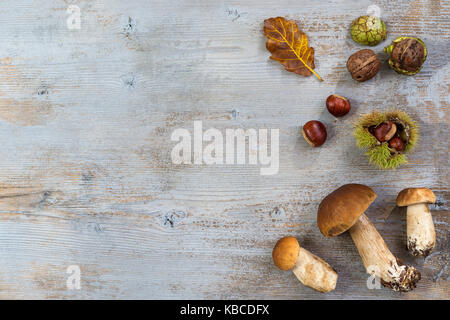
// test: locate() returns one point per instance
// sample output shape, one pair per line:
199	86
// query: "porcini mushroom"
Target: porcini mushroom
311	270
420	233
343	210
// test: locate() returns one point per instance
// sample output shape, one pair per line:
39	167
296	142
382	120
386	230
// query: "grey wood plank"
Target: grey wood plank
86	176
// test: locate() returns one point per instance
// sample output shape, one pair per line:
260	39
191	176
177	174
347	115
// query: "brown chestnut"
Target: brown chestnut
337	105
397	144
384	131
314	133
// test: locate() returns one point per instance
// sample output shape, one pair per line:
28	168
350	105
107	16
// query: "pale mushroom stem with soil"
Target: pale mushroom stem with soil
420	233
343	210
311	270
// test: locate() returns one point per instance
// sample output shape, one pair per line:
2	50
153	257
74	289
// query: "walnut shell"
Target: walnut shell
408	55
363	65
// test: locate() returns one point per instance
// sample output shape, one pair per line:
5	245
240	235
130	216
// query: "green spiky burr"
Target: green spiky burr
380	153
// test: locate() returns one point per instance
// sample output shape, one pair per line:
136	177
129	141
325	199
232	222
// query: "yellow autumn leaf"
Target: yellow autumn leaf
289	46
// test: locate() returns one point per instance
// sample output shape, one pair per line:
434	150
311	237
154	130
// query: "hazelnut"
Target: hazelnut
397	144
384	131
363	65
314	133
337	105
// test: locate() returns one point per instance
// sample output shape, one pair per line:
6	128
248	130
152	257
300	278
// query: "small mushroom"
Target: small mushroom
343	210
420	233
311	270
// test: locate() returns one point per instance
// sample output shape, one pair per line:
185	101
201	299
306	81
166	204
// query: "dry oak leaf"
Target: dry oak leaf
289	46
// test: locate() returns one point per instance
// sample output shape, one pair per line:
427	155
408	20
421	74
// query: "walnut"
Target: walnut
408	55
363	65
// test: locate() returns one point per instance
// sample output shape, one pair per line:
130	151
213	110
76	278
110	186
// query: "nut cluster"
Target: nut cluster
315	132
387	137
407	55
388	132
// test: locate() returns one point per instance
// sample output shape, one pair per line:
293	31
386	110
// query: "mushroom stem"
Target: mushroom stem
314	272
378	259
420	230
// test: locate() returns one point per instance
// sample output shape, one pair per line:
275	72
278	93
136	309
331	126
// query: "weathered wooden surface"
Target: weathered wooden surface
86	176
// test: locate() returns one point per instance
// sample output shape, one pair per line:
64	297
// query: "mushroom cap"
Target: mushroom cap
339	210
285	253
412	196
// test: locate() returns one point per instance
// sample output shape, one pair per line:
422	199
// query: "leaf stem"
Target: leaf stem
310	69
299	58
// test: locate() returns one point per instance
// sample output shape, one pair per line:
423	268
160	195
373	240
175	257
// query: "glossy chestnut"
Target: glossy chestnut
314	133
397	144
384	131
337	105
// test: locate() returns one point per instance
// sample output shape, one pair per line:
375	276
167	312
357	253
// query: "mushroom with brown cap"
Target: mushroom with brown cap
311	270
420	233
343	210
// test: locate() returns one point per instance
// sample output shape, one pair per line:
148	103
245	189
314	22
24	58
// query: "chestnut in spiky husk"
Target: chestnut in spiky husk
397	144
387	136
407	55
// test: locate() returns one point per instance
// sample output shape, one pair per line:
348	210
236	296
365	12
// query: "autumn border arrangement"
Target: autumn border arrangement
289	46
386	136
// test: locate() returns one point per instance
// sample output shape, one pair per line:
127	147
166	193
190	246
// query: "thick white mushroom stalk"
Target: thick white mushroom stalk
421	236
378	259
314	272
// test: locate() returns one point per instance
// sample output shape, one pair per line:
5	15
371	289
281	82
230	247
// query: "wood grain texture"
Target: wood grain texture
86	176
